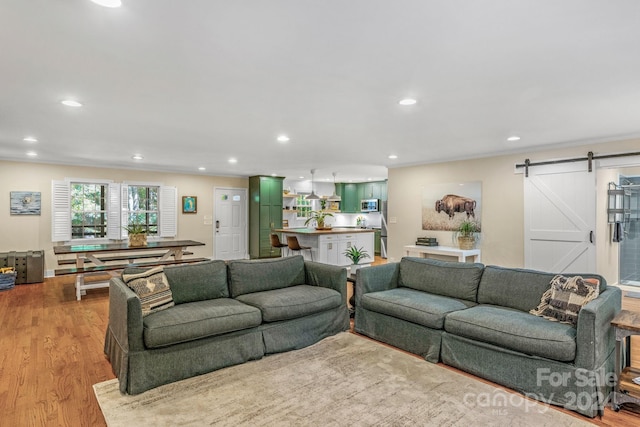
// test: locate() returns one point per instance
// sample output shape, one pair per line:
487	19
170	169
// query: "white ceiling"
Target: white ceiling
194	83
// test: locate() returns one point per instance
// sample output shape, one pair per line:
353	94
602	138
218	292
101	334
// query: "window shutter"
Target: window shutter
168	226
124	210
114	229
60	211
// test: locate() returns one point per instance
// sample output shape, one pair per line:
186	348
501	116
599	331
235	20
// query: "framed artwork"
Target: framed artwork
25	203
189	204
445	206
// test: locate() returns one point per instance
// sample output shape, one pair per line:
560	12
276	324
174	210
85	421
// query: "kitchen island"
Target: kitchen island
328	245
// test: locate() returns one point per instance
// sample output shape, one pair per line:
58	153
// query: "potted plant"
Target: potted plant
137	234
467	234
318	217
355	255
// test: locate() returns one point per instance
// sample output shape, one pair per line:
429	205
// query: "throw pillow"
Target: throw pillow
152	288
565	297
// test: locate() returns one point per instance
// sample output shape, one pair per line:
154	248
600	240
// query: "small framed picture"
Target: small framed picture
189	204
25	202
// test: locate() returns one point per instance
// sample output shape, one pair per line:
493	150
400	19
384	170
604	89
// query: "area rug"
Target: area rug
344	380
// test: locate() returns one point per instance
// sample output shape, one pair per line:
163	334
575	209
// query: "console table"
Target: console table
460	254
165	250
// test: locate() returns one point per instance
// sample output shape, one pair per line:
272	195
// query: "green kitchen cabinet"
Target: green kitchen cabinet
265	214
350	202
374	190
352	194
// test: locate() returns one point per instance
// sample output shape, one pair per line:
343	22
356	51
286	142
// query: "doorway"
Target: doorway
230	223
629	257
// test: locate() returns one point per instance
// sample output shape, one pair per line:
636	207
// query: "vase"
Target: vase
466	242
136	240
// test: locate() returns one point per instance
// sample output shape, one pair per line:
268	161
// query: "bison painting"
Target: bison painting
450	204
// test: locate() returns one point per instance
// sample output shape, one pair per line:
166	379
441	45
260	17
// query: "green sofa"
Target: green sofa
477	319
224	314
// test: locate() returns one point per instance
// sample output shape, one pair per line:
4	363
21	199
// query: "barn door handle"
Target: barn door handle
591	236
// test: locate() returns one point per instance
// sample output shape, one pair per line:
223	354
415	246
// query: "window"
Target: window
142	207
98	209
303	206
88	210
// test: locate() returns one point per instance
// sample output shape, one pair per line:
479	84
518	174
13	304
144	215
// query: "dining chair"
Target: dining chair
294	245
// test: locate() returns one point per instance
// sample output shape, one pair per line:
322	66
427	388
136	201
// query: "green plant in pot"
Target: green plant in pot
355	254
319	217
467	234
137	234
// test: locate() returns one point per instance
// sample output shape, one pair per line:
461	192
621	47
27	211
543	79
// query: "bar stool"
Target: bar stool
294	245
275	242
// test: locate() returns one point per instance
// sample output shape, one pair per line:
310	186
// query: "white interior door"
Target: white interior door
230	223
560	218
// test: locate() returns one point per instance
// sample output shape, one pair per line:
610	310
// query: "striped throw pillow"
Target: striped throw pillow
152	288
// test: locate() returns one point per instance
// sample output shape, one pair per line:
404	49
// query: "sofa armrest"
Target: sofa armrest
595	338
125	316
375	279
327	276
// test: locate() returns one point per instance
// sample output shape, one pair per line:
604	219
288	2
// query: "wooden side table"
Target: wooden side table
626	324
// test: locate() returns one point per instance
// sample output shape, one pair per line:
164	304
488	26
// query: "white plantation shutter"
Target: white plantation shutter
114	227
124	210
60	211
168	215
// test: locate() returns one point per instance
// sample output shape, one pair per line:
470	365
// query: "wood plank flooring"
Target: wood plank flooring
51	354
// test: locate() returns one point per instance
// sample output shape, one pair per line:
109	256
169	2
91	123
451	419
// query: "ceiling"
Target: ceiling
191	84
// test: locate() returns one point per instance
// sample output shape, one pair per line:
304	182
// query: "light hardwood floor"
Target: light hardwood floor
51	354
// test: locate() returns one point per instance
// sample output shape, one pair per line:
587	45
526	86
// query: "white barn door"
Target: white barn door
560	218
230	223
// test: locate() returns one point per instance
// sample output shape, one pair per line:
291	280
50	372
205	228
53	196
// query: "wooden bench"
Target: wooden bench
70	261
114	267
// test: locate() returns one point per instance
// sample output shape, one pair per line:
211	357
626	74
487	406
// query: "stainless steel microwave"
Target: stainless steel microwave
370	205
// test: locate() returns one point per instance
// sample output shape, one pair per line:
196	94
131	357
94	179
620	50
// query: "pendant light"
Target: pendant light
334	197
313	195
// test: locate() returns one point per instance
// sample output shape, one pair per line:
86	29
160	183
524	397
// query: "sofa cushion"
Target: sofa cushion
566	297
247	276
152	289
198	282
414	306
514	330
450	279
293	302
195	320
518	288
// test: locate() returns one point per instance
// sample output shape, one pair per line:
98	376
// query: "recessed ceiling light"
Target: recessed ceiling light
202	168
393	156
513	138
283	138
407	101
71	103
137	157
233	160
108	3
32	153
30	139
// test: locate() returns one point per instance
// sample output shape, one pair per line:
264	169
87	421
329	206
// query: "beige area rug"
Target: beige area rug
344	380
